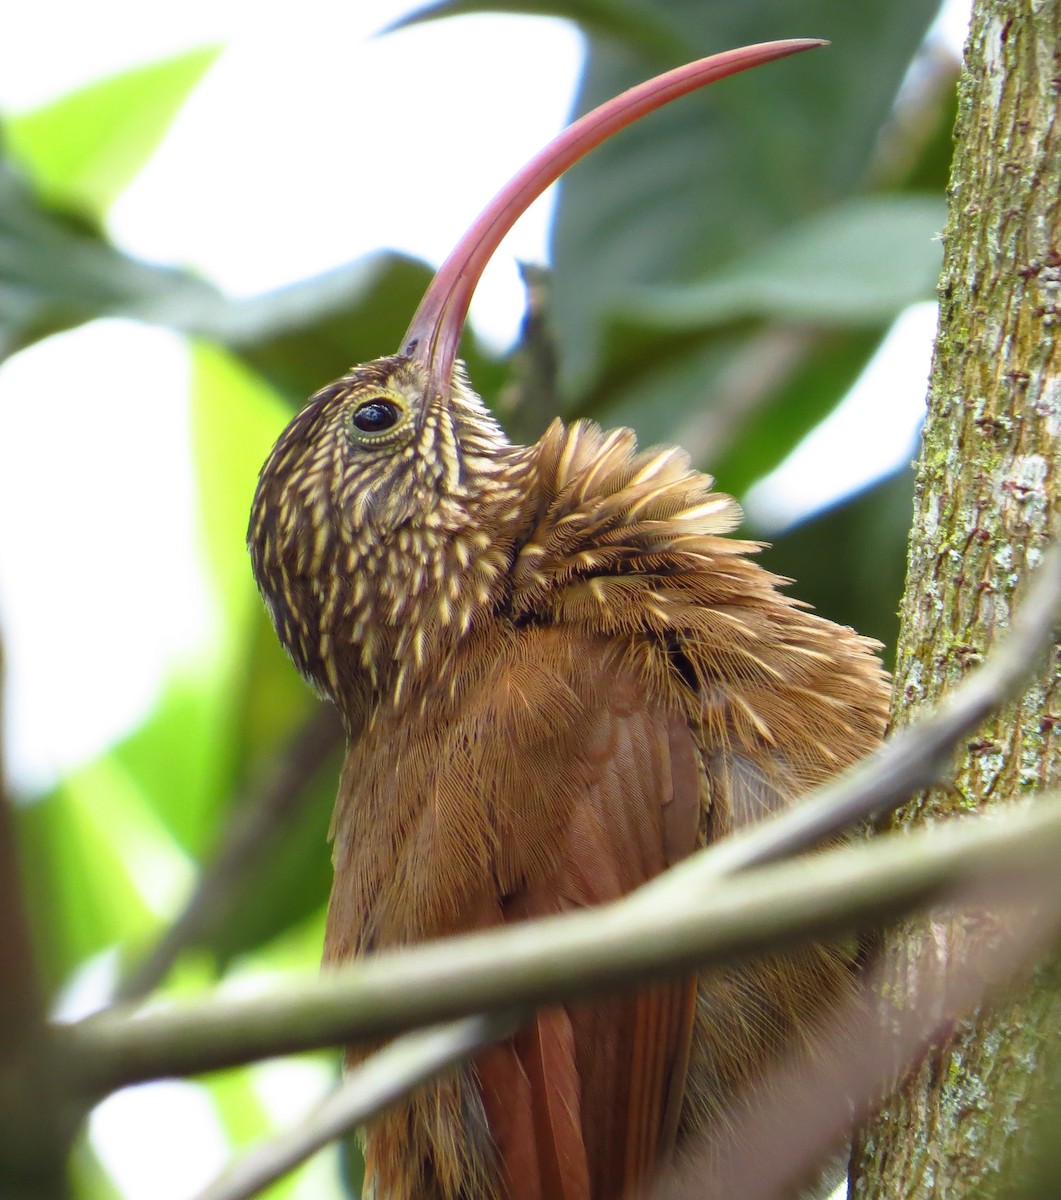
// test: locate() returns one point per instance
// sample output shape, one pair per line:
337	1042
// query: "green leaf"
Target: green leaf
291	885
858	263
82	150
737	403
824	291
180	756
94	854
250	697
236	418
303	336
715	176
805	397
624	21
89	1180
239	696
191	755
56	273
238	1106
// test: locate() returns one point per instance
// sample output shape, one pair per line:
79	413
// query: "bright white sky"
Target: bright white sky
316	143
310	143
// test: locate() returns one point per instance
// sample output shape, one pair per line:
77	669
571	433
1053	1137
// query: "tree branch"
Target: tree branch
656	930
35	1130
806	1108
530	399
379	1081
646	935
257	822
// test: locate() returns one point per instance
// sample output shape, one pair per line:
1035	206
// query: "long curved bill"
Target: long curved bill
435	332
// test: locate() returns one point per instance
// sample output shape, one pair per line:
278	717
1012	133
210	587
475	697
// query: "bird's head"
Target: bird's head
369	509
384	515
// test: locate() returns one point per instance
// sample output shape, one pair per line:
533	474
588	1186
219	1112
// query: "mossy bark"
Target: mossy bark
988	493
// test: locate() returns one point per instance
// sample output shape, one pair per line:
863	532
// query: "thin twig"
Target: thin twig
378	1082
530	399
645	936
754	375
259	820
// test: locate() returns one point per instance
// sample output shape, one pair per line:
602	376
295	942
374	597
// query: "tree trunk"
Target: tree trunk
987	495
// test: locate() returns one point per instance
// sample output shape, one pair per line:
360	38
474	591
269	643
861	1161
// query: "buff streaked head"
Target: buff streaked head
370	510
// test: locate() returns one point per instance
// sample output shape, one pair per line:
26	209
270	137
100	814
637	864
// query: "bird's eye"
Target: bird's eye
376	416
378	421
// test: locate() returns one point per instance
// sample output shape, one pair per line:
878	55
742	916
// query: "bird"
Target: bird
558	676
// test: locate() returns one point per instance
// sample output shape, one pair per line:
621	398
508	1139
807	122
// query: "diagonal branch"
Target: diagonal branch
790	1121
404	1064
645	936
687	919
259	819
34	1129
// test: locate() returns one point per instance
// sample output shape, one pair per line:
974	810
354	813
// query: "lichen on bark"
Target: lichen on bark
987	497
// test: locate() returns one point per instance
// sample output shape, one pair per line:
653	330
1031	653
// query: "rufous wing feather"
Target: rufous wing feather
582	1102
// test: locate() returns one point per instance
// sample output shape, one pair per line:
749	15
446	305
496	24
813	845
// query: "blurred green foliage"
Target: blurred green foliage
751	245
82	150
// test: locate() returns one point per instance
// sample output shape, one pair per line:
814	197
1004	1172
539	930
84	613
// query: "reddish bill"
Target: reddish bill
435	332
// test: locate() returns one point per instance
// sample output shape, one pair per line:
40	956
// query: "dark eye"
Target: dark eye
376	416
